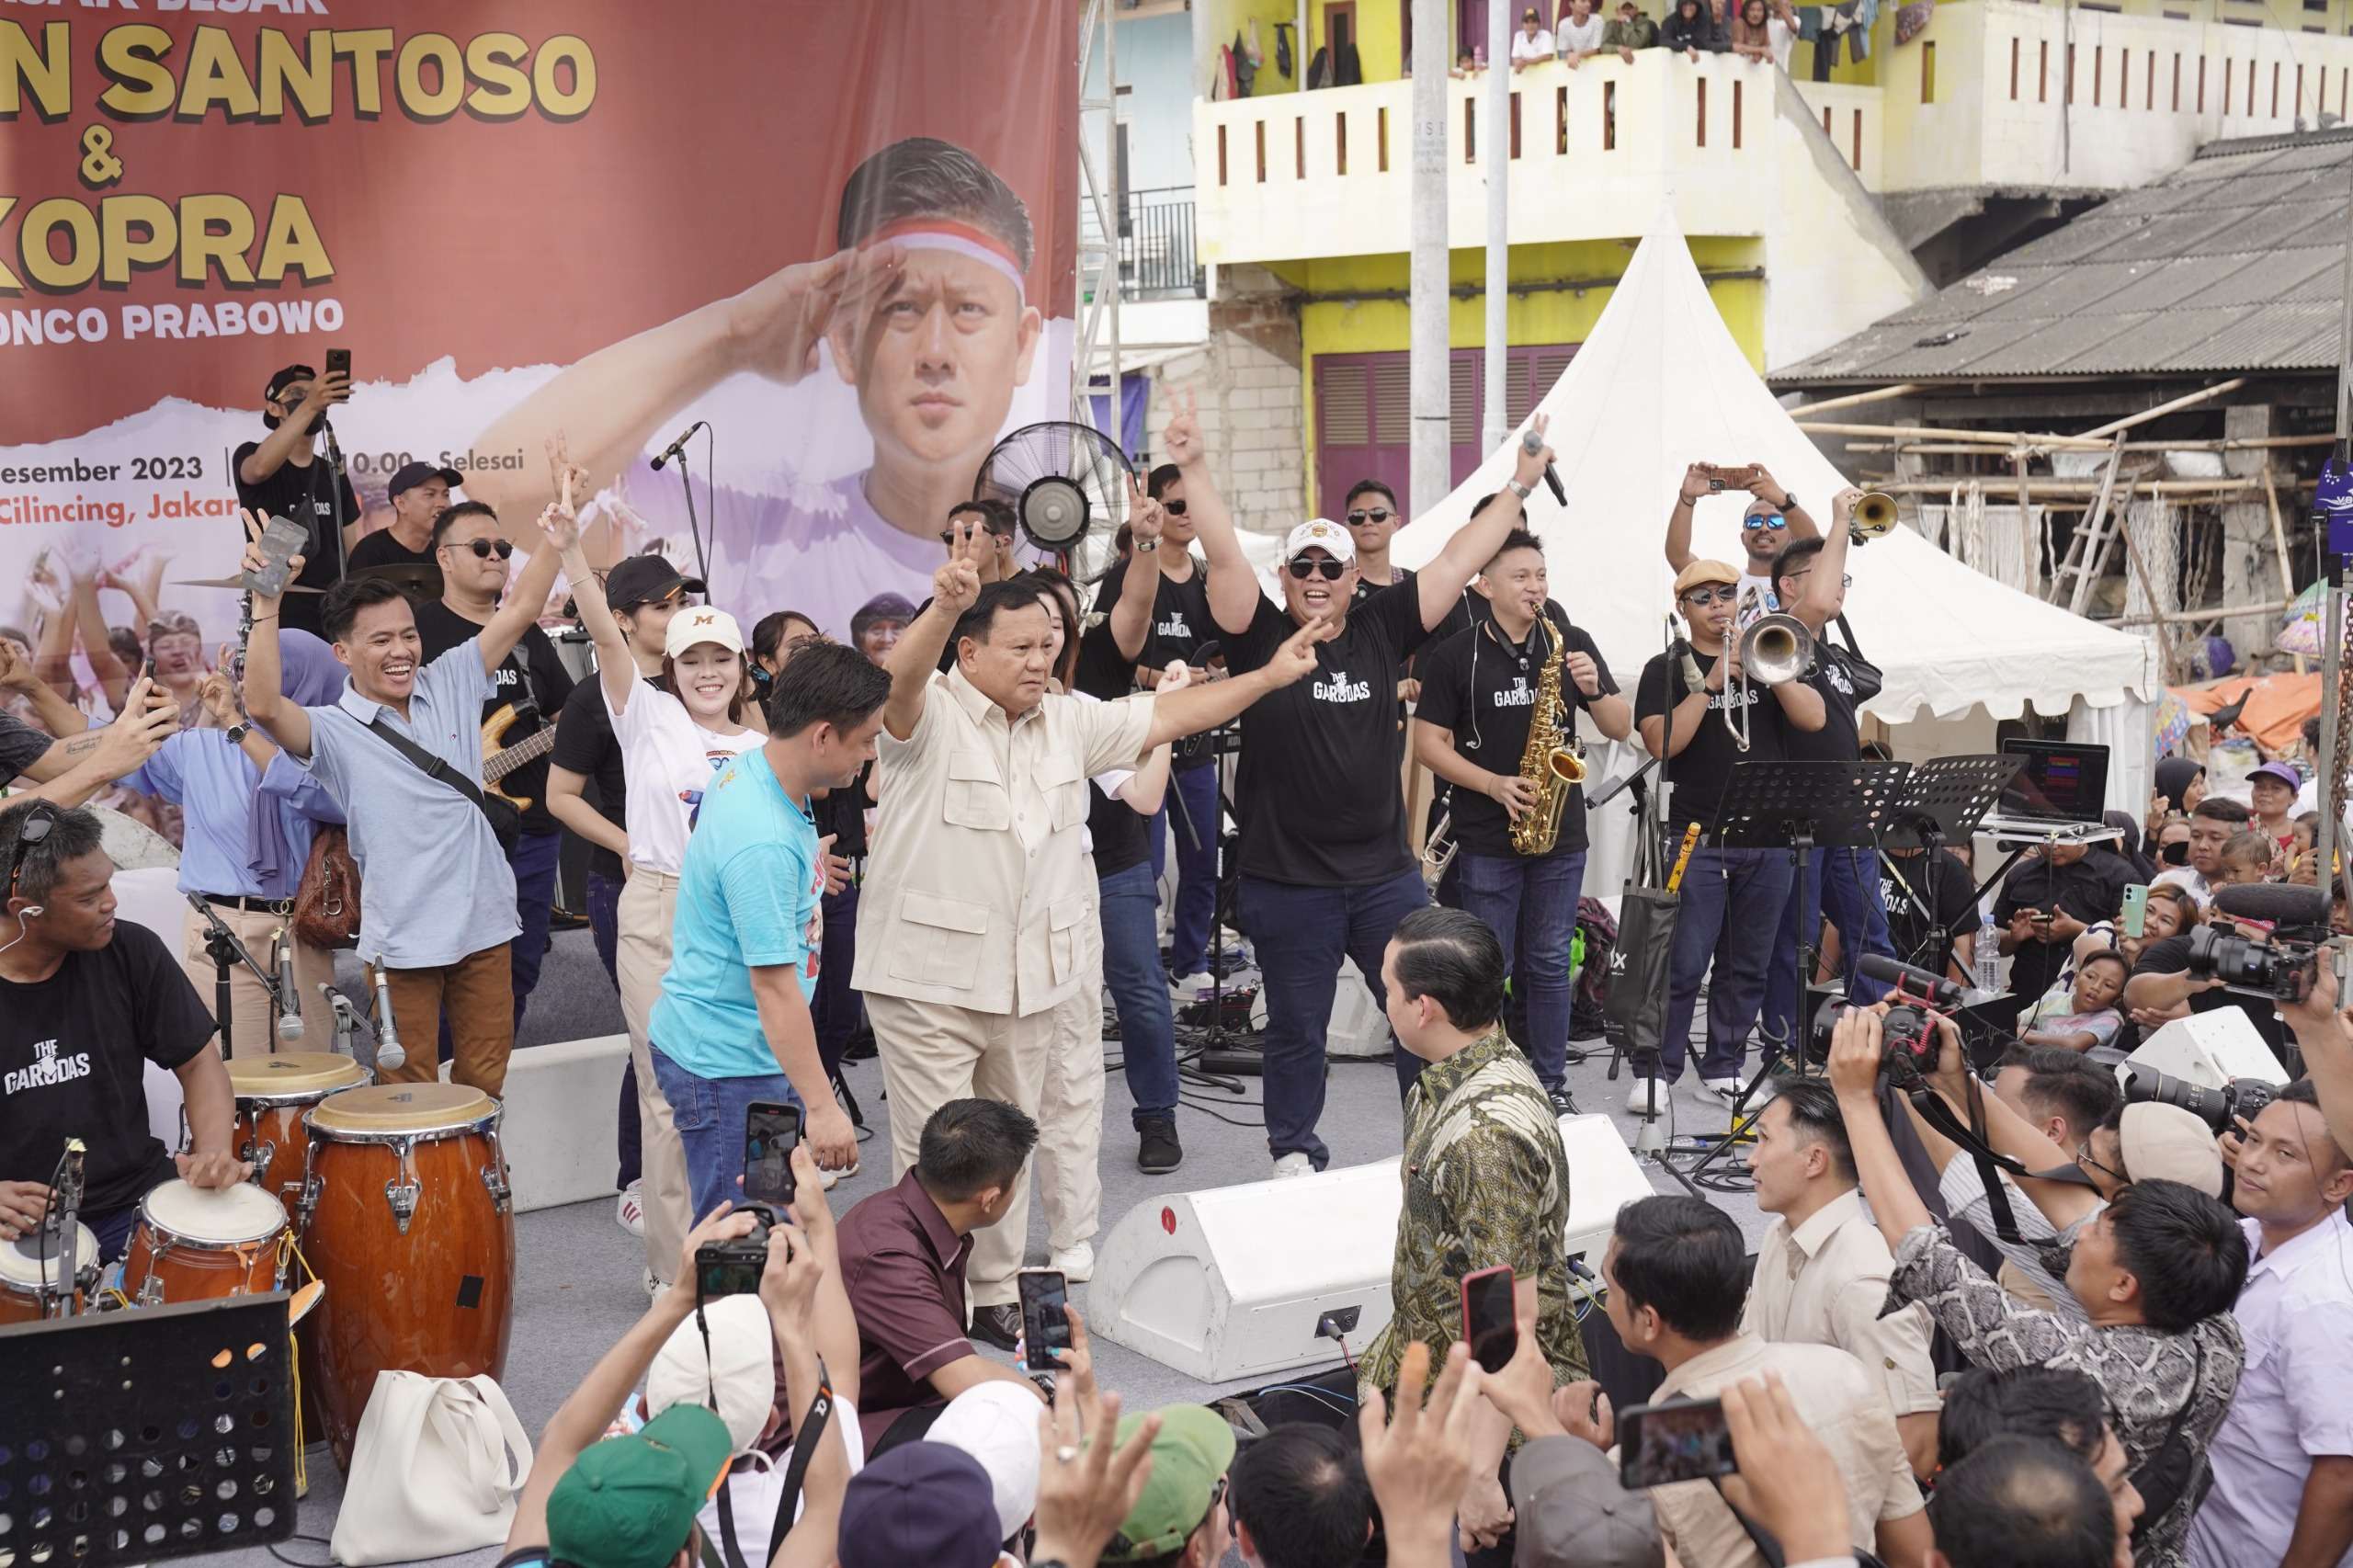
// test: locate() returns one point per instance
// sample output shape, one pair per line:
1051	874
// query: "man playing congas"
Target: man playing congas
85	1003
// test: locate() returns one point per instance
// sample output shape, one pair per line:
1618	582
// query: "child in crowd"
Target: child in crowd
2083	1018
2248	855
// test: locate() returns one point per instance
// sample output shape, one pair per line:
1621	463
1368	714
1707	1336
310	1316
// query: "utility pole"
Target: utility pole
1496	160
2332	621
1432	473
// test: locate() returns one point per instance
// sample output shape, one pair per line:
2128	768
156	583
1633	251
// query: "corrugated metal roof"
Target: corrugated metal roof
2234	262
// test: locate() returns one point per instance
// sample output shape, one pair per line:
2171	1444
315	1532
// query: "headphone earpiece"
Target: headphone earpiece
31	910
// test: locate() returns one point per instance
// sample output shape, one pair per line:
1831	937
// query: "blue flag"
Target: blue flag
2333	501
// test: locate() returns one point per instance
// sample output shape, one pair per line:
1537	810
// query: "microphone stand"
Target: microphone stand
334	504
694	528
220	945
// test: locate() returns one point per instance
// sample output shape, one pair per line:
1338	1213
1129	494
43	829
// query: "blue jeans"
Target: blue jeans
1730	917
533	860
1299	935
1196	831
1131	904
604	926
1531	902
709	1114
836	1009
1843	891
112	1230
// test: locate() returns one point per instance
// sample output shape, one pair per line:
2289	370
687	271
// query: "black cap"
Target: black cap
642	579
411	475
285	378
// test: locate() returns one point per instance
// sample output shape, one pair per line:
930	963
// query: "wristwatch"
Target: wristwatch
1788	501
1148	546
237	734
1516	488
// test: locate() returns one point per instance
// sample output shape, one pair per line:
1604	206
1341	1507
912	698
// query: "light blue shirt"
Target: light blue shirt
748	895
218	789
434	886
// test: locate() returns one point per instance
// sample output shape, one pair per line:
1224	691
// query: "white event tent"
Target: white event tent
1661	384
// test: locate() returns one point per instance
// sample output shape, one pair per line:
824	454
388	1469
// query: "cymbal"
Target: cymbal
415	576
233	583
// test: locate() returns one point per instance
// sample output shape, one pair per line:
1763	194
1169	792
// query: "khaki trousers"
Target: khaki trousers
1070	1110
478	993
642	956
932	1053
252	1017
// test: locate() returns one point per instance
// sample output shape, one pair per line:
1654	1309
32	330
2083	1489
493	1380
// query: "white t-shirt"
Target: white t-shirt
669	758
1782	39
1526	48
1110	781
2189	879
752	1492
1572	38
1756	600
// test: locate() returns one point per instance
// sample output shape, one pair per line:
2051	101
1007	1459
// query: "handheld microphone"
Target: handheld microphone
1914	982
675	448
388	1054
1531	443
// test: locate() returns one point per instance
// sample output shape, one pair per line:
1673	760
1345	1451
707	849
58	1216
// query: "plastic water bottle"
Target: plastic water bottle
1989	954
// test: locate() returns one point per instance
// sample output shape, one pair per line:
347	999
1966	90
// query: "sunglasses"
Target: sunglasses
483	548
35	828
1330	571
1712	596
1173	508
1369	515
1764	521
948	536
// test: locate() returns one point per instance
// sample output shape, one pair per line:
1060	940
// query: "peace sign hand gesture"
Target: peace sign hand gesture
1182	439
1146	516
957	585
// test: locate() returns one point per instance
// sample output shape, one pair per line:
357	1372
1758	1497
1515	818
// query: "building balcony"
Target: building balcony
1158	258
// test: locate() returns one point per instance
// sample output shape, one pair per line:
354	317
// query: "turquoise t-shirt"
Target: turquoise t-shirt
748	895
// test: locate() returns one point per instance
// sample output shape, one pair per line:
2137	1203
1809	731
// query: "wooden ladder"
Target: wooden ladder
2089	546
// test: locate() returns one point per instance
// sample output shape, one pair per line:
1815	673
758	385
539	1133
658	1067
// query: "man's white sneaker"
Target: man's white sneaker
629	1212
1646	1095
1077	1264
1294	1165
1722	1089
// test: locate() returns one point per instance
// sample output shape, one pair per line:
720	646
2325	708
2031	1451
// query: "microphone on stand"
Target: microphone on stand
388	1054
290	1005
347	1021
675	448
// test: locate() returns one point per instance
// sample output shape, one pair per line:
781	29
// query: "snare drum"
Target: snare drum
405	1216
22	1274
195	1244
272	1093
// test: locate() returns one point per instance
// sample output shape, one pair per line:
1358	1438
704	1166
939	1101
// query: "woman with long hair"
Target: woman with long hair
674	738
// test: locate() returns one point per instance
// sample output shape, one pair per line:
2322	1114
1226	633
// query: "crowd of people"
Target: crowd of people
1767	30
2112	1334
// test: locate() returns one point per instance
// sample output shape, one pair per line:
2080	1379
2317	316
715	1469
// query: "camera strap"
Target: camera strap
1970	1137
807	1433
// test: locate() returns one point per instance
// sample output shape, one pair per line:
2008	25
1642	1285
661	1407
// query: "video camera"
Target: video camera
1908	1030
2215	1108
2280	968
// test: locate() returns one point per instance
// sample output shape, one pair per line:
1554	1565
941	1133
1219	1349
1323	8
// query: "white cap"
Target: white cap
700	623
741	1367
996	1423
1321	533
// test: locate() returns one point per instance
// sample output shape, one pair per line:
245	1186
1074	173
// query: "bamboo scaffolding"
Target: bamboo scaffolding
1851	399
2160	410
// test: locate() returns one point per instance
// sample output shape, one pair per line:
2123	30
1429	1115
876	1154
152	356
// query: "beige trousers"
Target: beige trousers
1070	1110
642	956
932	1053
253	1017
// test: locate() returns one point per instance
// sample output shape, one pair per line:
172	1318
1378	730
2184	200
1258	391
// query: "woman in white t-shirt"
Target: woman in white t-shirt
674	738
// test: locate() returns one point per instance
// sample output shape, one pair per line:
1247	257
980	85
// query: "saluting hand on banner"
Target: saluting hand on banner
776	326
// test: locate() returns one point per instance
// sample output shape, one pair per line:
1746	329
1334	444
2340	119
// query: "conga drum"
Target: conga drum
406	1218
272	1093
195	1244
28	1261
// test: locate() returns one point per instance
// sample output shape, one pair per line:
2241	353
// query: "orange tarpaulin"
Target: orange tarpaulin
2277	705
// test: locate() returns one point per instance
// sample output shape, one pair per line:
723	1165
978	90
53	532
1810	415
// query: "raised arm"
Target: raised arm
293	432
1878	1169
1440	584
2326	1035
266	703
56	715
105	667
1818	601
616	666
1205	707
1233	587
1140	581
1697	483
521	610
1765	488
955	587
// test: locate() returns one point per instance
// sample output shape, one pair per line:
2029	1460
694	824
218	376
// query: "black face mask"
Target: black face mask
2174	854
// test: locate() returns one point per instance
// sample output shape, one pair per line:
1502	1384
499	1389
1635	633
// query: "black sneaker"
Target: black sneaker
1563	1103
1000	1327
1158	1152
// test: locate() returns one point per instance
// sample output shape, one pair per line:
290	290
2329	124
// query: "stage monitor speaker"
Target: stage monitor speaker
2209	1050
1230	1283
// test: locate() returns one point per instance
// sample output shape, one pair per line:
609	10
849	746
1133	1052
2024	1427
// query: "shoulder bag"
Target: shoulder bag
505	822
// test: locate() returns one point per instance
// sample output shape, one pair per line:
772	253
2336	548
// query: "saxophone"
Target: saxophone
1552	762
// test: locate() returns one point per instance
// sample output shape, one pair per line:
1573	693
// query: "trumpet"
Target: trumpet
1773	650
1438	852
1873	518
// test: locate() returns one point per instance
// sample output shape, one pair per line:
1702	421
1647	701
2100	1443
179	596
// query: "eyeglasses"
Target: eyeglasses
1173	508
35	828
1844	580
483	547
1369	515
1330	571
1711	595
2084	1157
1756	521
948	536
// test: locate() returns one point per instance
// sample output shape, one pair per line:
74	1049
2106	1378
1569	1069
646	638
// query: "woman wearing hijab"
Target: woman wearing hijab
248	813
2181	784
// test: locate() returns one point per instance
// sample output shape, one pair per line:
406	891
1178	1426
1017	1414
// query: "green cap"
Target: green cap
1193	1451
630	1502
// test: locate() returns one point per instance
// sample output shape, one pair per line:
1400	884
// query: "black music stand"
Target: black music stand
126	1437
1942	803
1799	807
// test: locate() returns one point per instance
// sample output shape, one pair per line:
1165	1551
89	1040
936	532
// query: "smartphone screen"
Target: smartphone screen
1045	1323
1681	1439
339	362
282	539
770	1131
1489	1323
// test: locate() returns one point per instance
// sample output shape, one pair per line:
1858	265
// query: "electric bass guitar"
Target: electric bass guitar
498	761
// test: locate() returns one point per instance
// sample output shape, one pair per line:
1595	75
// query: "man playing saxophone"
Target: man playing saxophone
1497	720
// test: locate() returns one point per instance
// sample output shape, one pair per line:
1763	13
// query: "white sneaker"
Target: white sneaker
1646	1095
1077	1264
829	1178
629	1212
1722	1089
1187	990
1294	1165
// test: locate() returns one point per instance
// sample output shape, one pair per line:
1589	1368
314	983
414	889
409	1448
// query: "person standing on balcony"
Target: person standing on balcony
1531	44
1631	31
1578	37
1692	29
